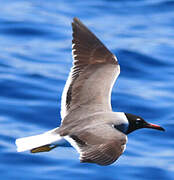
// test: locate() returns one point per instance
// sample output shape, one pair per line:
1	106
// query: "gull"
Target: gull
88	123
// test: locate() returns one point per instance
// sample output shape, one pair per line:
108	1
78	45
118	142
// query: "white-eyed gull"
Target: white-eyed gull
88	122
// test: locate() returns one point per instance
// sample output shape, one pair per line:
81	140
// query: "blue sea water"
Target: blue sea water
35	59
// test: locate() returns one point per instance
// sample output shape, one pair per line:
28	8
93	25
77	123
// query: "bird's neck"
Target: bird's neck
122	127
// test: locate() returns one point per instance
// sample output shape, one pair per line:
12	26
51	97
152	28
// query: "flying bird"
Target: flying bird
88	122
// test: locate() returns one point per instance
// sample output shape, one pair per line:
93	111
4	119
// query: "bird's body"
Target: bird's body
97	136
88	123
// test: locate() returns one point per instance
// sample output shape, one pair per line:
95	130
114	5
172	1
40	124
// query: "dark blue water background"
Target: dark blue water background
35	59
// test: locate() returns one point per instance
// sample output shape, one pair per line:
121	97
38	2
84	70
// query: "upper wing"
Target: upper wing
93	73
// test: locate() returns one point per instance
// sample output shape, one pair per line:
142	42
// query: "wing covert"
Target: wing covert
101	144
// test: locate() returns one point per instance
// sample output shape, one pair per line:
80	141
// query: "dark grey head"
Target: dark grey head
136	122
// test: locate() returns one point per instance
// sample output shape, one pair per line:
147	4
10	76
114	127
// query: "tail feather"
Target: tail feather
32	142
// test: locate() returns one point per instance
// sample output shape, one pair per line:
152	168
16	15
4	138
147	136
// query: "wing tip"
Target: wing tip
75	21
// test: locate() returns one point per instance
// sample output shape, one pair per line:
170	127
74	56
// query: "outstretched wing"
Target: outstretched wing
93	73
101	145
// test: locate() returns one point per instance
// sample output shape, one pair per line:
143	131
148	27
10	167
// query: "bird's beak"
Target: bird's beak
154	126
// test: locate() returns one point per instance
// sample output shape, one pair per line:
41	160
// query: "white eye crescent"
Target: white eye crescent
138	120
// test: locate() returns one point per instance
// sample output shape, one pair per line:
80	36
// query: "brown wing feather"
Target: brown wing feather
103	154
101	144
90	55
87	48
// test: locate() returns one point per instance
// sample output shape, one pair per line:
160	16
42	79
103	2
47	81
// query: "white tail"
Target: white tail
28	143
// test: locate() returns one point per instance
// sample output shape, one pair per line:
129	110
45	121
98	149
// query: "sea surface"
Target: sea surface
35	60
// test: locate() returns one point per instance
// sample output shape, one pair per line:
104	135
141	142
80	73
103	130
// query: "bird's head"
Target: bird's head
136	122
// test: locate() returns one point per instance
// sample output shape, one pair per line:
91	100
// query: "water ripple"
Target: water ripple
35	59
